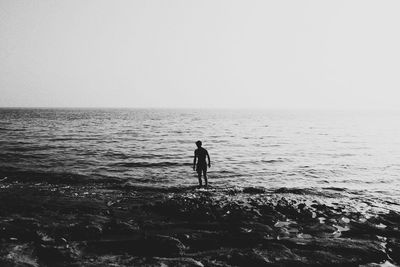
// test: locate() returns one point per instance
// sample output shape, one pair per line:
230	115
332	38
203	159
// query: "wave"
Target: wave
339	189
31	148
274	160
166	189
149	164
325	192
14	130
29	176
254	190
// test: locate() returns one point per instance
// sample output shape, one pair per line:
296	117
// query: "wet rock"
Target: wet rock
306	215
21	254
287	208
128	260
235	213
259	228
56	255
159	245
299	191
23	229
270	219
86	232
267	208
134	246
392	218
120	228
239	235
269	214
320	207
209	226
185	228
393	248
183	262
319	229
44	238
349	250
272	254
245	239
79	232
254	190
365	229
283	233
88	227
323	258
386	263
188	208
279	253
204	240
301	206
248	258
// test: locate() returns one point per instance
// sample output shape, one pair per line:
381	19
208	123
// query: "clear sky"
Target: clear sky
204	54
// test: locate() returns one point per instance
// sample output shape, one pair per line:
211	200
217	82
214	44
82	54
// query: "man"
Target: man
200	154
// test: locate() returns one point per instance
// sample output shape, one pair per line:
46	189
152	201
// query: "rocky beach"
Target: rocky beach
116	187
110	223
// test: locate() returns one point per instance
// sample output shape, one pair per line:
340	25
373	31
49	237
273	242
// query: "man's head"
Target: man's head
198	144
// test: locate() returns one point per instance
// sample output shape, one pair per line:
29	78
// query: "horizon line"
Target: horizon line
206	108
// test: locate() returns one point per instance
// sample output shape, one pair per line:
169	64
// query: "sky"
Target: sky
200	54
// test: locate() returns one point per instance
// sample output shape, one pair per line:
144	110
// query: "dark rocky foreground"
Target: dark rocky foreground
120	225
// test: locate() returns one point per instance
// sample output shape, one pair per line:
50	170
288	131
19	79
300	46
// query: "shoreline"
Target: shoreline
97	224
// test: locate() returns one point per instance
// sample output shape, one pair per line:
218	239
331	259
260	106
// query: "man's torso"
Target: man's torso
201	155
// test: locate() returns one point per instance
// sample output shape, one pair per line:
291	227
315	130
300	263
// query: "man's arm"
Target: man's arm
194	161
209	161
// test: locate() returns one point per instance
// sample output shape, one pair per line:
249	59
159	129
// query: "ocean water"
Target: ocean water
354	152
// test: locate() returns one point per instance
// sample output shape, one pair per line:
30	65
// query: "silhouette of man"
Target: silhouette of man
200	155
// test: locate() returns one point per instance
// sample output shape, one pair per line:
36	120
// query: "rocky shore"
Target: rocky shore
117	224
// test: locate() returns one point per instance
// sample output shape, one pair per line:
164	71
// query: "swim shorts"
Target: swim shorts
201	168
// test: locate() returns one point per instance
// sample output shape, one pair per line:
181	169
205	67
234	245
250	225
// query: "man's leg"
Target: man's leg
199	176
205	177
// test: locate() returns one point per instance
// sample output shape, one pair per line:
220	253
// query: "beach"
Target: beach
115	187
120	224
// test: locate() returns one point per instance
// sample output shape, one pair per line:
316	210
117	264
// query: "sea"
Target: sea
352	153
